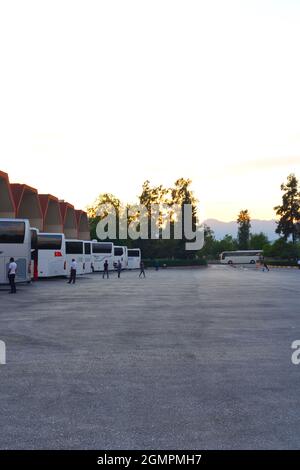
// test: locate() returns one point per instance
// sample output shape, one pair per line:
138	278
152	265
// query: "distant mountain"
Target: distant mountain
222	228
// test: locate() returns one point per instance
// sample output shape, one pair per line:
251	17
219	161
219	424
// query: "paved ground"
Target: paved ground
188	358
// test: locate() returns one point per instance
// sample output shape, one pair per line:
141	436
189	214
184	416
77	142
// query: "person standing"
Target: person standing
263	263
298	262
12	271
142	268
73	272
105	272
119	268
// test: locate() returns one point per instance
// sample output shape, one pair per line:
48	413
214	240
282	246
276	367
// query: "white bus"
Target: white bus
51	255
134	258
88	260
240	257
15	242
74	250
102	251
121	253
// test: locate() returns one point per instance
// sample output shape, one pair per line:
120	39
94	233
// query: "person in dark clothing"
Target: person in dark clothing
263	263
12	270
105	272
266	266
73	272
119	268
142	269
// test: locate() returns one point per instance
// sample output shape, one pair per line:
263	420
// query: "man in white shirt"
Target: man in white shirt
12	270
73	272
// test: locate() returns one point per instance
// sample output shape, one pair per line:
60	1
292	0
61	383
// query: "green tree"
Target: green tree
289	210
228	243
244	225
258	241
103	200
154	195
166	199
182	194
213	248
208	250
283	250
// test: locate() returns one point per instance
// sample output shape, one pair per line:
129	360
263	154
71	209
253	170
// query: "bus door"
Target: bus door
34	253
2	267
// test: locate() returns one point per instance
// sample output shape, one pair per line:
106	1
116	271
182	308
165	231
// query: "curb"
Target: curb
283	267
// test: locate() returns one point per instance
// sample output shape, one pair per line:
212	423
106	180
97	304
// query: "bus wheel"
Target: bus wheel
230	262
252	261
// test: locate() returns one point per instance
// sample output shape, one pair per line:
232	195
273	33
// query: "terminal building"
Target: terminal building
44	211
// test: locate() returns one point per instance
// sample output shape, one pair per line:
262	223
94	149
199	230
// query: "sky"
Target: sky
98	96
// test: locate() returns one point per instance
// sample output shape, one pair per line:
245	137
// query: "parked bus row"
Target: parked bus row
40	254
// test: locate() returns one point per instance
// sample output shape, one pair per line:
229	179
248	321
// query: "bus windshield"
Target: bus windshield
49	242
74	248
105	248
12	232
134	253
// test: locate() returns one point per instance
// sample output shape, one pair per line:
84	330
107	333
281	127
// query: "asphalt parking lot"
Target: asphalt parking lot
185	359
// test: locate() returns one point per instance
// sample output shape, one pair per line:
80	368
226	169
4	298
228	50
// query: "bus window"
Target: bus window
102	248
87	248
49	242
15	242
12	232
74	248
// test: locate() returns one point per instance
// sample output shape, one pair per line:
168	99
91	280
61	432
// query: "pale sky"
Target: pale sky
97	96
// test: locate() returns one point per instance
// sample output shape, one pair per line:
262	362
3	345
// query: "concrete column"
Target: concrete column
83	225
69	219
27	204
52	221
7	205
